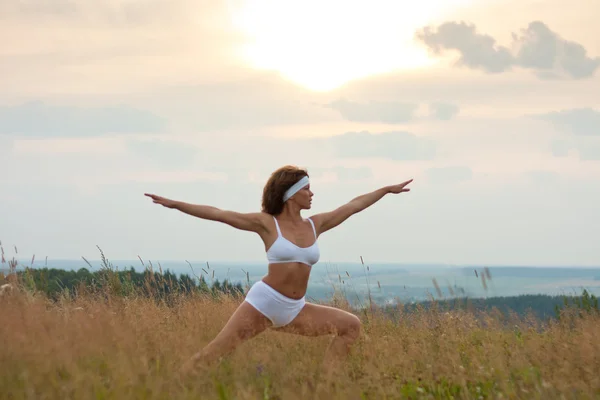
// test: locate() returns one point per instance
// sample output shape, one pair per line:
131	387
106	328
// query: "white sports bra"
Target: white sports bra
284	251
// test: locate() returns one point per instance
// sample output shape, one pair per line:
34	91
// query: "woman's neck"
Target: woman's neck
291	213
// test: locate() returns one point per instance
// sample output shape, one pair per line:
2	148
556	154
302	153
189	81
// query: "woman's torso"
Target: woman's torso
291	255
291	280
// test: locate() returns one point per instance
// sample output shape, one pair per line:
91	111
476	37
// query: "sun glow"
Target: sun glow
322	44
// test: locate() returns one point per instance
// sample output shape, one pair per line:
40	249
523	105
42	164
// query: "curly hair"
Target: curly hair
279	182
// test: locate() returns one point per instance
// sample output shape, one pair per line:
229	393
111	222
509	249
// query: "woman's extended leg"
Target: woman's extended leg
245	323
316	320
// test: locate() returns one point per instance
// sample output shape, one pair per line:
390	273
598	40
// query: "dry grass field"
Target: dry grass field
103	346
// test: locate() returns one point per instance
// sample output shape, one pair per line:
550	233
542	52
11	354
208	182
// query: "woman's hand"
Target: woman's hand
400	188
162	200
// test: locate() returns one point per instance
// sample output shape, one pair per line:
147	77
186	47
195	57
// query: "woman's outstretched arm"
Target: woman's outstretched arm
254	222
328	220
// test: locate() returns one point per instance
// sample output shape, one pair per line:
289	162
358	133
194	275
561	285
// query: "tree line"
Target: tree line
57	283
540	306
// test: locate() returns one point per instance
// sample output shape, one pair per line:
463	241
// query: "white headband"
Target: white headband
294	189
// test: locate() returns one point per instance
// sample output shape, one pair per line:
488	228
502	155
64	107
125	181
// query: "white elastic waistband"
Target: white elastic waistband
276	295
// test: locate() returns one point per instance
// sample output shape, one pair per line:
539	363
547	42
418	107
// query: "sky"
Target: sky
491	106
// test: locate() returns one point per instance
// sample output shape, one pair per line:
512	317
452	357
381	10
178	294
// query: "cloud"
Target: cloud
509	93
257	99
589	151
395	145
586	147
578	121
252	99
542	177
443	111
476	50
349	174
106	46
163	153
114	13
6	145
63	146
36	119
560	148
187	176
451	174
536	48
342	173
551	56
390	112
583	127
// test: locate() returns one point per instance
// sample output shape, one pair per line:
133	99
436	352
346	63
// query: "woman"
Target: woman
278	300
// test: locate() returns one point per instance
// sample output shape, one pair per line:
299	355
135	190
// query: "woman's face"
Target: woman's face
304	197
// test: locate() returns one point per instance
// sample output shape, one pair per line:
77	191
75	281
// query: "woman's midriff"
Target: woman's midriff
291	280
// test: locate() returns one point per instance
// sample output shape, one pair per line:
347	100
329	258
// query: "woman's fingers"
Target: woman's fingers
156	199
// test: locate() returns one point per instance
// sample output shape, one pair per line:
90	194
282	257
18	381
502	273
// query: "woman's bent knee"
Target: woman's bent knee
352	329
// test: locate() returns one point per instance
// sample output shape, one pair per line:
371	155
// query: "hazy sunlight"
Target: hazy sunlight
323	44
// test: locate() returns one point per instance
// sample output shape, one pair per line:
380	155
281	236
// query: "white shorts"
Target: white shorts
280	309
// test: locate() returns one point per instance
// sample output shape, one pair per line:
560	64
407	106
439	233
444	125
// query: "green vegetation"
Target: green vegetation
58	283
55	283
539	306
